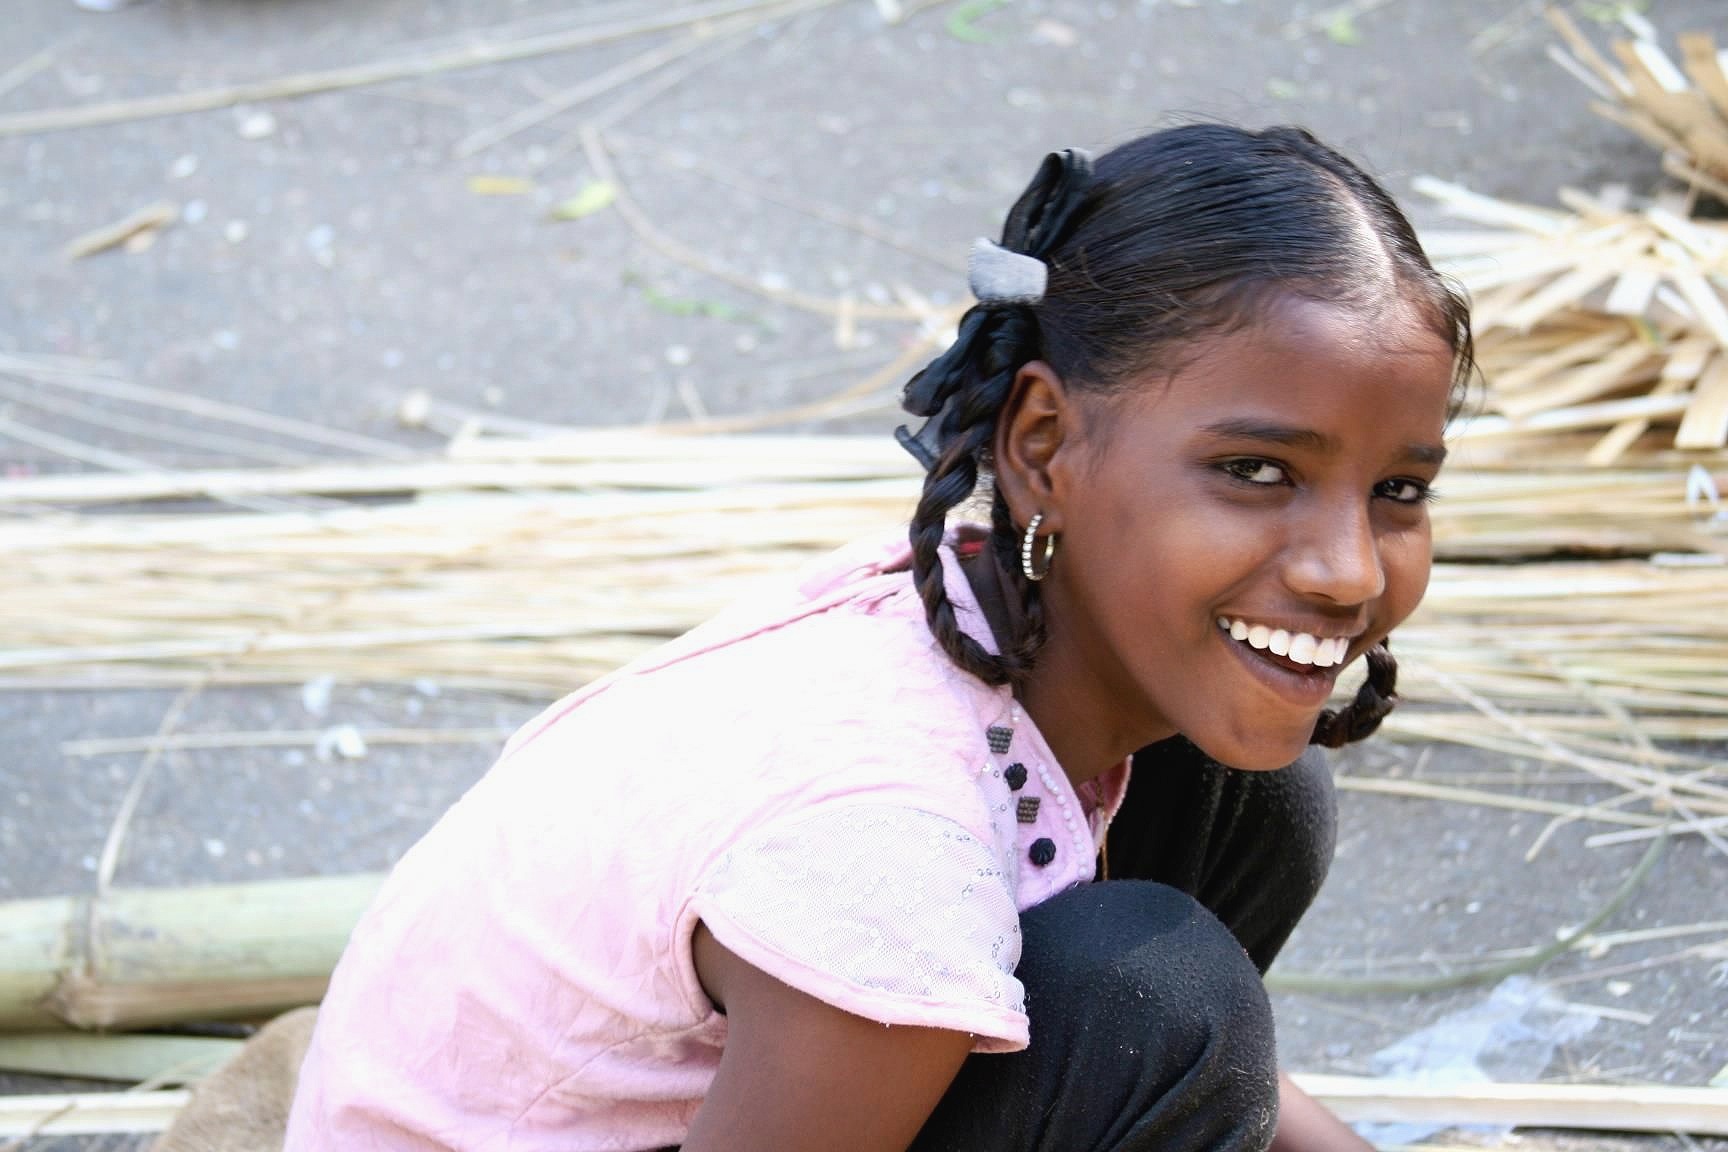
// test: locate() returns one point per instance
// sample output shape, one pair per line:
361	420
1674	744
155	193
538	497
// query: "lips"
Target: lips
1303	673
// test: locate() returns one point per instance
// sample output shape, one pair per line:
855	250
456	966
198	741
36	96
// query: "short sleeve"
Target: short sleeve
894	914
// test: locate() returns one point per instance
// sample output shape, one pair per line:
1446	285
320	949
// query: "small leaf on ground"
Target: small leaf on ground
499	185
688	305
1341	28
1612	11
963	24
594	196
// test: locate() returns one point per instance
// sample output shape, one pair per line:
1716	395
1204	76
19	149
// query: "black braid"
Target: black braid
1373	703
962	393
1000	341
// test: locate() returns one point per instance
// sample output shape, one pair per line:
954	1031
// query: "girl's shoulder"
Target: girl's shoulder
836	666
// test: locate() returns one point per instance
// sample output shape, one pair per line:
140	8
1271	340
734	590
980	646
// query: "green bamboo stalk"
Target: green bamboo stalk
160	1060
144	957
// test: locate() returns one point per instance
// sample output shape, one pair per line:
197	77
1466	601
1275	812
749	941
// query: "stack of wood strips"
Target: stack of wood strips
1609	319
1682	108
1603	328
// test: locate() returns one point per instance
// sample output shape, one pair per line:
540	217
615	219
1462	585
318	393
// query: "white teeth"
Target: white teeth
1301	647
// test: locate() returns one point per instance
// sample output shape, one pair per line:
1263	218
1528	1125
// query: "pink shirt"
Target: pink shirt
808	774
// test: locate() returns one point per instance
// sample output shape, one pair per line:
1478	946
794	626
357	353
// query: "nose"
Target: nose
1335	555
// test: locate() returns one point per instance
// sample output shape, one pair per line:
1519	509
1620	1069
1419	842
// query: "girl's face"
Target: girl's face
1231	537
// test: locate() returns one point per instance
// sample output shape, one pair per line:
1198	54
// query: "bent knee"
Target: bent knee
1146	965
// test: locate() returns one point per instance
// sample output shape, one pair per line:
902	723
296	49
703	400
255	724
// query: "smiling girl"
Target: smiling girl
980	840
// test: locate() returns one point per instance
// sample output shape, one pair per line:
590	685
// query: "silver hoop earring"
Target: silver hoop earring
1026	544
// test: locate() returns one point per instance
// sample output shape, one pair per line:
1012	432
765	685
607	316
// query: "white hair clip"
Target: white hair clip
999	276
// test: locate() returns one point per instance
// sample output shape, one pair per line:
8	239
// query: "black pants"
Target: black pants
1150	1028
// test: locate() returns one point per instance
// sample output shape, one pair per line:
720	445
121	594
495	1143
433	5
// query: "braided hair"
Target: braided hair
1173	237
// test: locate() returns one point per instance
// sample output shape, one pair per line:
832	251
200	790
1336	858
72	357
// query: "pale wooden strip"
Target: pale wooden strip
1681	111
1655	133
89	1113
1658	66
1461	201
1596	1107
1685	364
1451	243
1632	293
1676	165
1579	416
1707	243
1706	303
1535	369
1705	424
1585	51
1623	435
1703	64
1565	290
1601	1107
1606	375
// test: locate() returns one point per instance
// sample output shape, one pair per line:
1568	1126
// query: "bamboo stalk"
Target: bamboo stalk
152	956
164	1060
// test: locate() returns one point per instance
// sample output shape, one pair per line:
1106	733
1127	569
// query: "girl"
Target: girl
819	875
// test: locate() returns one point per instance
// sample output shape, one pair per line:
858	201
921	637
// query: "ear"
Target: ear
1037	439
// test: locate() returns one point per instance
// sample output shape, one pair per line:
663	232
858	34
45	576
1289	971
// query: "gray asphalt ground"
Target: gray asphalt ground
333	254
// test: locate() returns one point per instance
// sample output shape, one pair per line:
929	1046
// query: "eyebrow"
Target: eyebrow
1290	436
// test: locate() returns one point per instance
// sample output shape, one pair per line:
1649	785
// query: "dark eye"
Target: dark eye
1260	472
1404	491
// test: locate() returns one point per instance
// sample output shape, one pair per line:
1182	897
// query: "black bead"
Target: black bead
1026	810
1015	774
999	738
1043	851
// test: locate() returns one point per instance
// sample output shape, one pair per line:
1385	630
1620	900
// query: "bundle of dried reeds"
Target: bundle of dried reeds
1603	328
646	534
